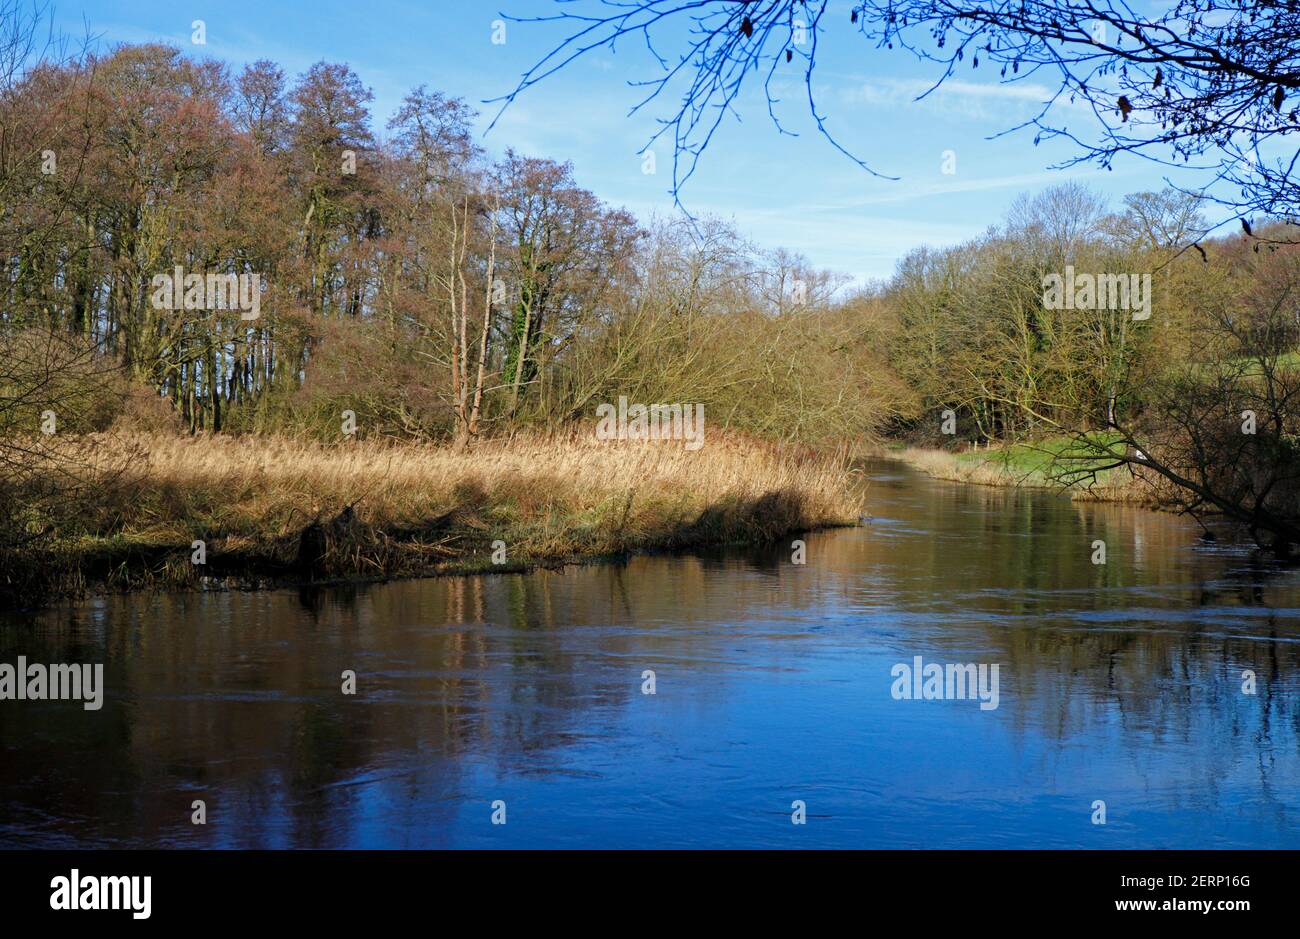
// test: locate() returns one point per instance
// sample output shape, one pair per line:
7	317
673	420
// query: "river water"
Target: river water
1118	683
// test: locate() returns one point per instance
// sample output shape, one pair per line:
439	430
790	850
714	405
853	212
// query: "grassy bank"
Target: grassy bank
273	509
1030	465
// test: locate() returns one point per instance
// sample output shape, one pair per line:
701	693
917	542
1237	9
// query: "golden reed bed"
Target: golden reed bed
270	507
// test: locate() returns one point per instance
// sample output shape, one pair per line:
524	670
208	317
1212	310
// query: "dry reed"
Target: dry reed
388	508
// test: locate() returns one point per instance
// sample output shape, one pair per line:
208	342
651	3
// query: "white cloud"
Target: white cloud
954	98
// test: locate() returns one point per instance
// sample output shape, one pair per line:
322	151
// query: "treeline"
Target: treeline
405	276
429	291
1125	342
973	328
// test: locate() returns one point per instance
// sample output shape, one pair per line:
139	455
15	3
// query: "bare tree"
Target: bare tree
1225	429
1205	83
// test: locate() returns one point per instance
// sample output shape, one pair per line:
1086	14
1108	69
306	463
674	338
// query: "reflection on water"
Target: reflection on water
1120	683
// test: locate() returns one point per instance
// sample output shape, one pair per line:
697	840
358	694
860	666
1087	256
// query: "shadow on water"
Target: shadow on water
1120	682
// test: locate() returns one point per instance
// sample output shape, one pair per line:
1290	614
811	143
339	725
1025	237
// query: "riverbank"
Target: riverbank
1030	466
194	512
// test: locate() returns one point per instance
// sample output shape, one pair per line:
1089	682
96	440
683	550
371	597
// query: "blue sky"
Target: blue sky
781	191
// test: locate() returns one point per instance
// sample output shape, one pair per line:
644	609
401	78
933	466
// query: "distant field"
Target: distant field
1034	464
1036	460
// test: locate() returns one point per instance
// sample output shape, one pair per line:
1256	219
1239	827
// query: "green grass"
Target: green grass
1036	461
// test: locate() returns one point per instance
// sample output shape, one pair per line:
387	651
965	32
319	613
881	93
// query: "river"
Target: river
522	698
